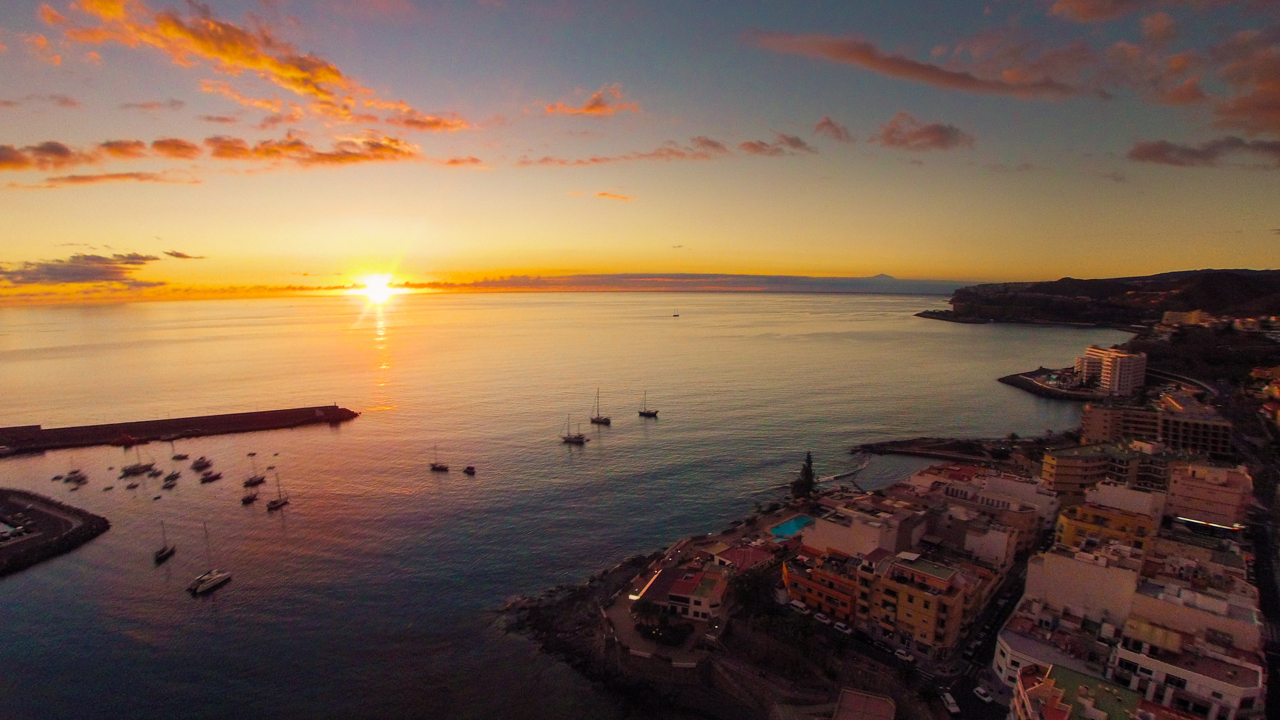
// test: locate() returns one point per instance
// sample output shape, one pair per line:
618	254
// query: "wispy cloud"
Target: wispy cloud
176	148
613	196
905	132
868	56
219	119
48	155
699	148
170	104
782	145
64	180
602	102
80	269
182	256
832	129
62	101
1207	154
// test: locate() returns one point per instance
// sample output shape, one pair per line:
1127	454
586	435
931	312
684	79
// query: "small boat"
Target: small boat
166	550
573	438
172	476
156	498
280	500
676	313
133	485
154	473
136	469
109	487
255	480
202	463
169	484
209	476
249	498
644	407
438	466
58	477
211	579
469	470
599	419
181	456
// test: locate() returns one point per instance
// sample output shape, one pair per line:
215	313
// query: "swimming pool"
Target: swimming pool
790	527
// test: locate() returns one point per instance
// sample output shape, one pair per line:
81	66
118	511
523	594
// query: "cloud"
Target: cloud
175	148
866	55
182	255
1207	154
62	101
699	148
832	129
905	132
612	196
80	269
124	149
170	104
1250	66
63	180
49	155
221	119
231	49
600	104
782	145
348	151
414	120
39	47
1159	29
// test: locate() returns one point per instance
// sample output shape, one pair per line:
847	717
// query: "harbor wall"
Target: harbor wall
34	438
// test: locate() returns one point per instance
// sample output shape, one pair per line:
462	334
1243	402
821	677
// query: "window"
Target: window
911	599
1175	681
1216	695
1127	665
926	604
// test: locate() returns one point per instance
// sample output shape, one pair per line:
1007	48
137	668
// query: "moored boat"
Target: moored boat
166	550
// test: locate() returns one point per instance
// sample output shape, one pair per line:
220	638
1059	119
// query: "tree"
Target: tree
803	486
645	610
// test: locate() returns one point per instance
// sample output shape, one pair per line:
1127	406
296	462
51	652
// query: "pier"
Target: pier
34	438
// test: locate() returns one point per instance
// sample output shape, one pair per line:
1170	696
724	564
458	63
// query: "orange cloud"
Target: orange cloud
224	89
48	155
905	132
1251	68
700	148
866	55
612	196
230	48
409	118
38	45
124	149
600	104
369	149
111	177
175	148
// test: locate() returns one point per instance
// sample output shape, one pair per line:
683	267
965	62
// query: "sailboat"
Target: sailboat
438	466
213	578
138	468
644	407
166	550
249	498
571	438
599	419
280	500
255	478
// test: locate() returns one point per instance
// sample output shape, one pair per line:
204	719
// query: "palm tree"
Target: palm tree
803	486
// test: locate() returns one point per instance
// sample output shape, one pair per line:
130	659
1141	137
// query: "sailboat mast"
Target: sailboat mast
208	554
164	538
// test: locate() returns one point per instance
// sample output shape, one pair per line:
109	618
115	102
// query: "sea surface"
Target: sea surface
373	594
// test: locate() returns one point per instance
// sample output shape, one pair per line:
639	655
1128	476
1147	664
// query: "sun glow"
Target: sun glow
377	288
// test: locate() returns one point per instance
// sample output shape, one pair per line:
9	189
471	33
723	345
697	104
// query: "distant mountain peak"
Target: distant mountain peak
883	276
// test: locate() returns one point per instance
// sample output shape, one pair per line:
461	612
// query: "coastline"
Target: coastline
77	528
950	316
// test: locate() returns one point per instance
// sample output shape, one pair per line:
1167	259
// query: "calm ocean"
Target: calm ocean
372	594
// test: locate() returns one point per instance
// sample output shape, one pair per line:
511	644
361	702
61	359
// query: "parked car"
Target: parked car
822	618
950	702
799	607
904	656
983	694
843	629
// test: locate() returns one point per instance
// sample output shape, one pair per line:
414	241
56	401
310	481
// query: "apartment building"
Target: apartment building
1210	494
1118	372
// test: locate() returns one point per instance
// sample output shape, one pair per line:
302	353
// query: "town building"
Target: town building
1085	526
923	605
1118	372
1108	423
858	524
1179	422
1208	494
1053	692
692	592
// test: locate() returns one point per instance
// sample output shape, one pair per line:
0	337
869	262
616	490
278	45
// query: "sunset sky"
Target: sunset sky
311	142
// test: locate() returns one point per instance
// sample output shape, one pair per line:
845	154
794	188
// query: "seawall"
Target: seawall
34	438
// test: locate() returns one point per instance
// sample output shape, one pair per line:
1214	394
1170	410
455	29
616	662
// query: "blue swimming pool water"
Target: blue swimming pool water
790	527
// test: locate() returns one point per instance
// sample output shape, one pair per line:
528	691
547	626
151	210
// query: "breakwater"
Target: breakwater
1030	382
52	528
34	438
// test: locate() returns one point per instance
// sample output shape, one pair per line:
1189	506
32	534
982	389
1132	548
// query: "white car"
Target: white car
822	619
799	607
983	694
904	656
950	702
843	629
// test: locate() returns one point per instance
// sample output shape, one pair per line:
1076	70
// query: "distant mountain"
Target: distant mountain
702	282
1239	293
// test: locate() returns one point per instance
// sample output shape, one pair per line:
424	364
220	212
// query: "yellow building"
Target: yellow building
1087	524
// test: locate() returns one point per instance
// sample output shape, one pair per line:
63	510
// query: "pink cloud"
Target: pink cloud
905	132
601	103
832	129
1207	154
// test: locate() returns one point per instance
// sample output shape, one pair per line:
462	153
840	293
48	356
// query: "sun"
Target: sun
377	288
